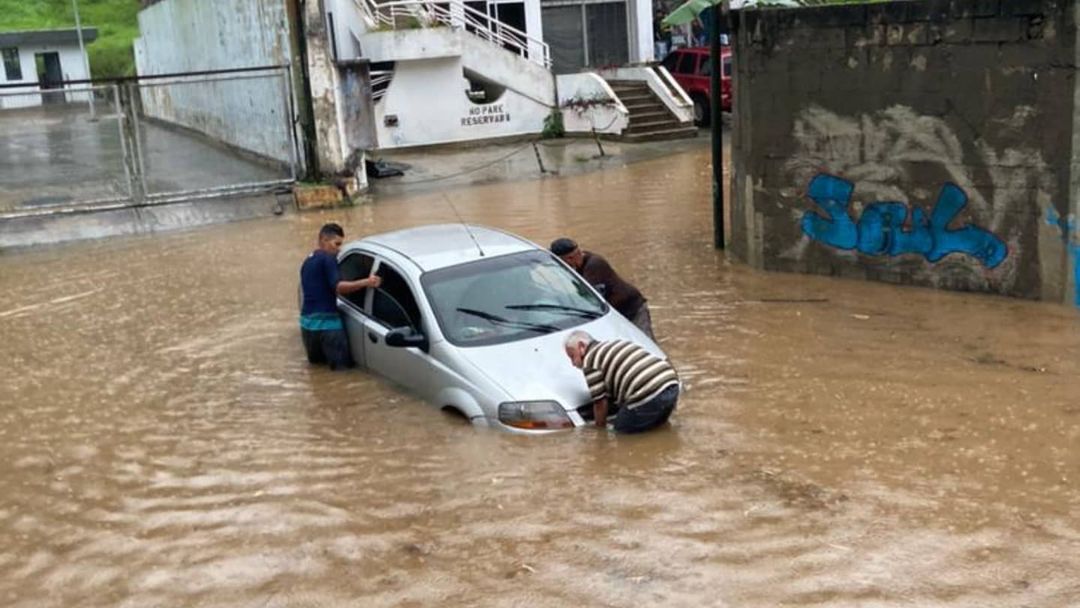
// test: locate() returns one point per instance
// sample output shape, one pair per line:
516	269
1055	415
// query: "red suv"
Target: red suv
691	68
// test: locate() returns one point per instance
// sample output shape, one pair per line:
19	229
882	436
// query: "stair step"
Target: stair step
678	133
646	109
649	114
646	125
621	89
629	98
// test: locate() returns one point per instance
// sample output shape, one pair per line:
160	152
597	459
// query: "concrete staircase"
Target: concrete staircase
650	119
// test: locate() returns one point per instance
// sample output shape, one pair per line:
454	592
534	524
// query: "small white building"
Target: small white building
43	60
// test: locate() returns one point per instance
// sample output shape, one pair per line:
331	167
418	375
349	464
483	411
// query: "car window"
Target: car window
727	67
687	63
509	298
706	66
355	266
394	304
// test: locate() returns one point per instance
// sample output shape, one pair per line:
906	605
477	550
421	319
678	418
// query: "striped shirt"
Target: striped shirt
625	373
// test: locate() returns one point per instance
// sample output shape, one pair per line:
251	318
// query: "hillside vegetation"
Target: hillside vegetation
116	22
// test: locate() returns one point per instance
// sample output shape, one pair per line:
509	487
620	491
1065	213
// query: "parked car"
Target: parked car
692	69
473	320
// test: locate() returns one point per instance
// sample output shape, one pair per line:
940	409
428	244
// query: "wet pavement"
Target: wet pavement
163	442
55	156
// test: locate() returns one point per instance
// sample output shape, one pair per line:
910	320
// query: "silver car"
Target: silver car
473	320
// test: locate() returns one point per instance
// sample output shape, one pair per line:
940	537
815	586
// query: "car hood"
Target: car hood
537	369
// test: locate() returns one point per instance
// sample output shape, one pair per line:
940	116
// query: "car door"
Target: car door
391	306
355	265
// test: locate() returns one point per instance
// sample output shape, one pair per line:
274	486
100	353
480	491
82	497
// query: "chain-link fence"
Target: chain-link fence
145	141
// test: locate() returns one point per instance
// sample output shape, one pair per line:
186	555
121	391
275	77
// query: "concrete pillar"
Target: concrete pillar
324	90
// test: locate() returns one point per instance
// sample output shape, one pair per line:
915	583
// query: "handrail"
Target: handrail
456	14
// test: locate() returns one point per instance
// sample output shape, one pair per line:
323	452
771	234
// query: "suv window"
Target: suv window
671	60
706	66
356	266
727	67
394	304
687	63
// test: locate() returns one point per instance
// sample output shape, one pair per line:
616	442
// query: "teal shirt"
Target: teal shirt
321	321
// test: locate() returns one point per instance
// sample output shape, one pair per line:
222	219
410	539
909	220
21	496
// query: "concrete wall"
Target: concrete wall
602	110
443	113
923	142
71	63
193	35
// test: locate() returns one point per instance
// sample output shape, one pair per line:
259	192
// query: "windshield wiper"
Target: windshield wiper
487	316
581	312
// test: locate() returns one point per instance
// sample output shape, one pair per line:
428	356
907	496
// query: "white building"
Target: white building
43	59
457	71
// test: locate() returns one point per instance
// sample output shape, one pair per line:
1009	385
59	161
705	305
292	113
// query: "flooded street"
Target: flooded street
163	441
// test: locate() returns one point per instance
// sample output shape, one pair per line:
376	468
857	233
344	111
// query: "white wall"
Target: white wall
348	27
71	64
642	49
428	97
195	35
606	114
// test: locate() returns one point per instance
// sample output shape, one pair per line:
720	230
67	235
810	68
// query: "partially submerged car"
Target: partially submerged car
473	320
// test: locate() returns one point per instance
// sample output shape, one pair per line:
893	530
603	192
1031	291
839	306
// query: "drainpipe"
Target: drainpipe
86	60
715	111
302	84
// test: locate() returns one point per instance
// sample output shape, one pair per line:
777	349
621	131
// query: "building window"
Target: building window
12	69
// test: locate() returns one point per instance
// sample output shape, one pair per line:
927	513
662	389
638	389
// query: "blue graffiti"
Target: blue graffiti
1068	229
880	230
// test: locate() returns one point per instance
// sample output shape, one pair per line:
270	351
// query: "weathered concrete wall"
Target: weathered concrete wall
179	36
923	142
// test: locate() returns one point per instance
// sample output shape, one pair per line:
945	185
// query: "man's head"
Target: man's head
576	345
569	252
330	238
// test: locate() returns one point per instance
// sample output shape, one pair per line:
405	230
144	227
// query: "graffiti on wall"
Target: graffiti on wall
891	229
1067	226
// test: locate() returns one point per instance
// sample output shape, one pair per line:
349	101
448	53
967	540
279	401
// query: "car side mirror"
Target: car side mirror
406	337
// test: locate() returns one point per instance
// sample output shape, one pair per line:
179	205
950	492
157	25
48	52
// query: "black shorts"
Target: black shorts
328	346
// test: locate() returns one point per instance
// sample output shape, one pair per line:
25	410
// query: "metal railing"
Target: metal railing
380	84
411	14
145	140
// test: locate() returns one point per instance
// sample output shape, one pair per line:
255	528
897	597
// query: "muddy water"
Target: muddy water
163	443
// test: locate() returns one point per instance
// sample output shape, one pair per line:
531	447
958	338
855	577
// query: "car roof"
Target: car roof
443	245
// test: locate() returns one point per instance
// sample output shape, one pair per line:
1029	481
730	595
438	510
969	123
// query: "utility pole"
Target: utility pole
716	113
86	60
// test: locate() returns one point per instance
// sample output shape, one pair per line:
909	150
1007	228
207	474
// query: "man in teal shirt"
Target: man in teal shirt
321	328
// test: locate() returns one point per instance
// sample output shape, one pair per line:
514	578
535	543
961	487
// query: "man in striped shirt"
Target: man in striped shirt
644	388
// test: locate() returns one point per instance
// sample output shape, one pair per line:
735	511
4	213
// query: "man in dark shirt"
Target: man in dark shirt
642	387
622	296
320	324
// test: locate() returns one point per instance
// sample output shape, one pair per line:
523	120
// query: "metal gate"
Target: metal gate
146	140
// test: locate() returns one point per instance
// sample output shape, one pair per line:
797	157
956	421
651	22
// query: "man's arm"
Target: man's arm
344	288
599	408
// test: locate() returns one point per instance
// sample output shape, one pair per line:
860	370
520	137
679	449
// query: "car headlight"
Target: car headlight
534	415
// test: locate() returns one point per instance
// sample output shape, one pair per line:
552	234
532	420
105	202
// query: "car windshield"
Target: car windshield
508	298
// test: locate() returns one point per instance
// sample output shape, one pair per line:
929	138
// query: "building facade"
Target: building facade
42	60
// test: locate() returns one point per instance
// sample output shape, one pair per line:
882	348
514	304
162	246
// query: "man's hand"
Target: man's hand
374	281
600	412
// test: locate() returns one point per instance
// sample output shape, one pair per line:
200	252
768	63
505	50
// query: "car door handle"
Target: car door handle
371	336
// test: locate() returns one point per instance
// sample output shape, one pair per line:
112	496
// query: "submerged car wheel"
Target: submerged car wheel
455	415
701	111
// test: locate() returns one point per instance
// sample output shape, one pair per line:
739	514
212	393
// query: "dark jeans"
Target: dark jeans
648	415
328	346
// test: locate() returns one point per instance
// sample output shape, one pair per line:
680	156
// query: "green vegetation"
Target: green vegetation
115	20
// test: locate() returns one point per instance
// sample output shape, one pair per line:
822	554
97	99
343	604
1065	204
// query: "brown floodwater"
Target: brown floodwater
164	443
